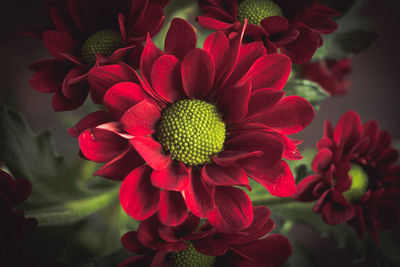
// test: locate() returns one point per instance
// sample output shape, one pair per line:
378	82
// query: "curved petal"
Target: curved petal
233	102
58	43
174	177
217	44
233	210
150	54
262	100
89	121
232	174
151	151
305	188
61	103
172	210
141	119
322	160
138	197
197	73
49	75
180	39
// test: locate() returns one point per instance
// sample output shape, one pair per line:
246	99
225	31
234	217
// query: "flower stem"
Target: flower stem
73	211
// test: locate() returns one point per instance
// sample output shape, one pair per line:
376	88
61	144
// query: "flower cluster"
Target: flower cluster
13	224
292	27
356	180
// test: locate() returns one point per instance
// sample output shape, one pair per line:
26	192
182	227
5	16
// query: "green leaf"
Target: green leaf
58	197
307	89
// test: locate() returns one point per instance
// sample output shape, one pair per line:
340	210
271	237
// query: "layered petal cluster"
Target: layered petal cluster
147	141
330	74
294	30
161	245
13	224
89	32
356	180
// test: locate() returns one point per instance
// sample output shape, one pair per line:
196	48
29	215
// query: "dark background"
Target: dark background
374	93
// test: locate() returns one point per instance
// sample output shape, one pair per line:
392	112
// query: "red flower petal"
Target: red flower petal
172	210
101	78
150	54
270	71
262	100
347	132
180	39
217	45
89	121
198	196
174	177
49	75
57	43
212	23
278	180
233	211
338	210
322	160
305	188
141	119
275	25
151	151
131	242
230	175
233	103
138	197
166	78
291	115
228	157
74	83
100	145
61	103
197	73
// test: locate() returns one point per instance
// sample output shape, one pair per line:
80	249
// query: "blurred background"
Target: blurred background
374	93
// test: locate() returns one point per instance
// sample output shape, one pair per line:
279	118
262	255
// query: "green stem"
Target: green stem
73	211
269	200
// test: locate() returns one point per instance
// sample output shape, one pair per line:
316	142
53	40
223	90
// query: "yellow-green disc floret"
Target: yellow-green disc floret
191	131
257	10
359	183
102	42
191	257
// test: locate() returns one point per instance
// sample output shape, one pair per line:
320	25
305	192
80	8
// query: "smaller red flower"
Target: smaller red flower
88	33
291	27
330	74
190	245
356	178
13	224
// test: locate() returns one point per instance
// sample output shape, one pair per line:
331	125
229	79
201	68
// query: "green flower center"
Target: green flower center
191	258
191	131
359	183
257	10
102	42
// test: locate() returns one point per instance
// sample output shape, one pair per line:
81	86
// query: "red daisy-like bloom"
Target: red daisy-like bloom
291	27
184	245
13	224
356	178
203	121
330	74
89	32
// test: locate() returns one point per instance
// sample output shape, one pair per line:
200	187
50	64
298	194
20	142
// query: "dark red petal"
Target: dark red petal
212	246
336	213
172	210
322	160
49	75
261	100
197	73
151	151
257	141
166	78
233	210
217	45
278	180
276	248
228	157
121	97
180	39
121	165
233	103
100	145
291	115
74	82
92	120
198	196
348	130
270	71
150	54
150	21
275	25
61	103
131	242
305	188
174	177
141	119
232	174
101	78
212	23
57	43
138	197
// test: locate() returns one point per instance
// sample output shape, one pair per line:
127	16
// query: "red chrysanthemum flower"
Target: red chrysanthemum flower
330	74
13	224
89	32
291	27
190	244
203	121
356	178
